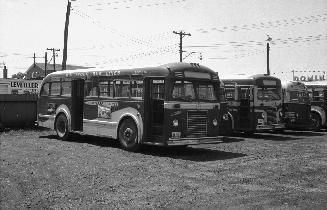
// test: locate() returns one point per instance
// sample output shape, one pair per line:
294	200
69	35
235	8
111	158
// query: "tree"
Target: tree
19	75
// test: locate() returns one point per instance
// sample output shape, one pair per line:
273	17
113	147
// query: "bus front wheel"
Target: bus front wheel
316	122
128	135
61	127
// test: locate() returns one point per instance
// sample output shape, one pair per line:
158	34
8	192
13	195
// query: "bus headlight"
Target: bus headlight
175	123
215	122
225	117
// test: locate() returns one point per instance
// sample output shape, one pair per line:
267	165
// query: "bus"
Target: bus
296	106
175	104
255	103
318	97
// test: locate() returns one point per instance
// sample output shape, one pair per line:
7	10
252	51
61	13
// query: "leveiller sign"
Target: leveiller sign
310	76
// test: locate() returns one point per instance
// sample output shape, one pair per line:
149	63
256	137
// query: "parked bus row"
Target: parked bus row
173	104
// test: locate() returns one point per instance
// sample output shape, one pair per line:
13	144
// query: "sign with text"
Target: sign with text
20	86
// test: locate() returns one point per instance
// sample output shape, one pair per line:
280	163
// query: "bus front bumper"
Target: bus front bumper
194	141
271	127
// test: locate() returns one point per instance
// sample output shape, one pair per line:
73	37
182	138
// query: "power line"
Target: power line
148	41
269	24
117	5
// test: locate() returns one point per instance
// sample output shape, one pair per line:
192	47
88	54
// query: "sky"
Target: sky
228	36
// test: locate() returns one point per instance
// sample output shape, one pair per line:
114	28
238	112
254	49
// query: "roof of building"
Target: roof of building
57	67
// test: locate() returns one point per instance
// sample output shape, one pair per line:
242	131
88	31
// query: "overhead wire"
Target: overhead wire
269	24
116	5
132	41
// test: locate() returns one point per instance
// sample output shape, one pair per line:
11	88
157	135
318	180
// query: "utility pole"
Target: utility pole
64	56
45	63
268	49
34	60
54	56
181	36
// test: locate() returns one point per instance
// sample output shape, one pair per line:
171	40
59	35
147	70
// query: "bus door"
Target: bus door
245	110
153	107
77	102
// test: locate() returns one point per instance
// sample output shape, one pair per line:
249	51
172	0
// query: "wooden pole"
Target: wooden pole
64	59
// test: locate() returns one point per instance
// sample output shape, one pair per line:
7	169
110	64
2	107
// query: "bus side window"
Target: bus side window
91	89
244	93
106	89
122	89
45	89
230	94
158	89
66	88
137	89
55	89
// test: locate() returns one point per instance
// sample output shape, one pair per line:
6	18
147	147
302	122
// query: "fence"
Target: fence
17	109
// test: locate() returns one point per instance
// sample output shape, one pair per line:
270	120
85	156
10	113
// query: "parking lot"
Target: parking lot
283	171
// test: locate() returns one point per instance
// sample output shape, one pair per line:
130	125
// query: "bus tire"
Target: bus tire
316	121
128	135
61	127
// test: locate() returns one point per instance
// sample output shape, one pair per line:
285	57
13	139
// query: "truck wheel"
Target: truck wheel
61	127
128	135
316	121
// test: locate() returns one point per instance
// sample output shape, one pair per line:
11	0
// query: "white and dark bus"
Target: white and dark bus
255	103
296	106
173	104
318	99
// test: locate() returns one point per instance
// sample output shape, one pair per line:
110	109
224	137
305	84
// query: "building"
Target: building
37	70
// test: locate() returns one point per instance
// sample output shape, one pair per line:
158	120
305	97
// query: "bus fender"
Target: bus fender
65	110
136	116
321	112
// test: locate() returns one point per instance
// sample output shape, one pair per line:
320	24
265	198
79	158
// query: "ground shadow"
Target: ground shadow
184	153
94	140
299	133
190	153
23	128
267	136
229	139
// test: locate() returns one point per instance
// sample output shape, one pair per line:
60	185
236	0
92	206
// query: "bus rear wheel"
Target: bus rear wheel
128	135
316	121
61	127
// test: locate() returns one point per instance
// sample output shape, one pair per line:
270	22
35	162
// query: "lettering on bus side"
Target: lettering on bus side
94	73
103	103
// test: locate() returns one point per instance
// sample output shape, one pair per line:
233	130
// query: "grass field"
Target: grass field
261	171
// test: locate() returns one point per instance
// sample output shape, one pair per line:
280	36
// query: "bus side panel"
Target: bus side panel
90	114
47	108
102	116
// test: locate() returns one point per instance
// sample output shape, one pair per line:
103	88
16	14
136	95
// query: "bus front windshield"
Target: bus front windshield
185	90
268	94
299	96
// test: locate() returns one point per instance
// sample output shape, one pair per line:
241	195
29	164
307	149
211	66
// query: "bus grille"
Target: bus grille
196	124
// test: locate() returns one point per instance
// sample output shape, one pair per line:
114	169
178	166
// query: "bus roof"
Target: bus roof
293	85
163	70
251	80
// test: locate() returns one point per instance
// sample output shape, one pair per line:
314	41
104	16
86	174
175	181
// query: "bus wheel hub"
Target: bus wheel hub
128	133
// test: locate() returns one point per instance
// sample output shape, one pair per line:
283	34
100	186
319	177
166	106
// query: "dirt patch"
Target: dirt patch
285	170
